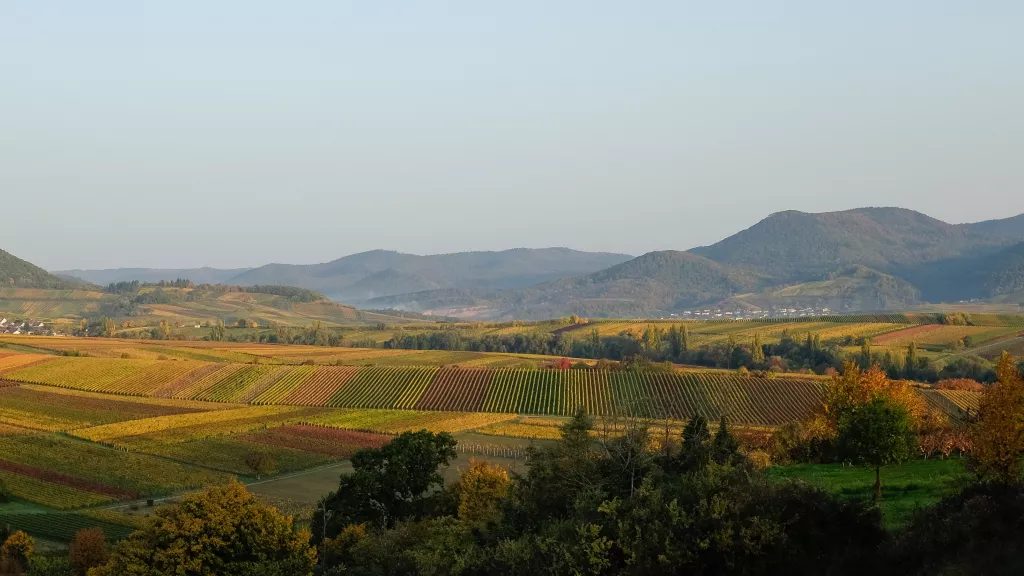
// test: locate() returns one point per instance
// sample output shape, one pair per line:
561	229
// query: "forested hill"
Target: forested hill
18	273
796	246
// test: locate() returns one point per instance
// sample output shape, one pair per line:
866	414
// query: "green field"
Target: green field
905	488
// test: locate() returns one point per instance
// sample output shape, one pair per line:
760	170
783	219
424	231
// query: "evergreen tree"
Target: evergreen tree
725	446
910	366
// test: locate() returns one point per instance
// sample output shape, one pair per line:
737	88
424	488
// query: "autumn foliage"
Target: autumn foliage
15	552
854	387
960	384
88	550
224	530
481	489
998	436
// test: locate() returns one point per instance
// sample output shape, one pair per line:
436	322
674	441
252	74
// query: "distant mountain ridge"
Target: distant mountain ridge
867	258
198	275
357	278
861	259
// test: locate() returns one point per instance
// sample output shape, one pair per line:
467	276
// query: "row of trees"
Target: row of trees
805	352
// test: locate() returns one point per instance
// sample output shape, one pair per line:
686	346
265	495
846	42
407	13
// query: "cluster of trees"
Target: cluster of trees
805	352
88	549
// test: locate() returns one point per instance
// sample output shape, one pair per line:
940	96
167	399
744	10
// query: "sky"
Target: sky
237	133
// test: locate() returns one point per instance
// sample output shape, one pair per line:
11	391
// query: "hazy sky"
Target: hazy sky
179	134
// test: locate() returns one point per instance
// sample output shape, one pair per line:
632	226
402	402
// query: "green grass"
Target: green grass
905	488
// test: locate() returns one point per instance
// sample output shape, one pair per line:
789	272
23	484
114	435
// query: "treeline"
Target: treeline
290	292
793	353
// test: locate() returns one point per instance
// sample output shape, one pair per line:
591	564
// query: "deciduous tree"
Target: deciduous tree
876	434
88	549
998	436
481	489
16	552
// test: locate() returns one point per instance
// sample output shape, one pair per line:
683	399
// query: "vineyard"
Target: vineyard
62	527
744	399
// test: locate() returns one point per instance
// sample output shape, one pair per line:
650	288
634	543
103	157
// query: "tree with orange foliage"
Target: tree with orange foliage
88	550
998	436
853	387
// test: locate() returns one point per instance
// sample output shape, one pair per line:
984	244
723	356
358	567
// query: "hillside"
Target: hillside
18	273
991	276
650	284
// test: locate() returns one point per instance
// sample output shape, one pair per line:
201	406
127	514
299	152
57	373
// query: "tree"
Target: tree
694	453
876	434
388	484
217	333
16	551
109	328
260	462
865	353
88	549
998	436
911	363
5	495
757	350
724	446
224	530
481	489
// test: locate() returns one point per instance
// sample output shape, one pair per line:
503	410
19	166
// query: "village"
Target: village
29	327
742	314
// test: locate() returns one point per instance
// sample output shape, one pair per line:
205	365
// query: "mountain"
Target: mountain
800	246
360	277
153	275
15	272
863	259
